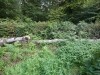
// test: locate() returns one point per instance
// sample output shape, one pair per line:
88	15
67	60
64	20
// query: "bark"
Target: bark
48	41
61	40
12	40
26	39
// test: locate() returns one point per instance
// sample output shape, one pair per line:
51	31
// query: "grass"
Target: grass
63	58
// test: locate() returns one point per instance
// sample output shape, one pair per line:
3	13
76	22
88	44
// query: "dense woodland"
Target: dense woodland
46	10
67	20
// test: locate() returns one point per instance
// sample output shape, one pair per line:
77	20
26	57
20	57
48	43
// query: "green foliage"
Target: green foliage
33	10
12	54
11	28
6	28
49	30
83	29
42	62
9	9
56	14
75	11
76	52
67	60
43	10
92	66
67	29
2	53
95	29
2	64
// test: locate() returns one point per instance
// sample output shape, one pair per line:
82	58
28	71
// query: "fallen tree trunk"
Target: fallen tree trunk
61	40
48	41
12	40
25	39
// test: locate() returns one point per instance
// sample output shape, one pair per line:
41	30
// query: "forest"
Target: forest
49	37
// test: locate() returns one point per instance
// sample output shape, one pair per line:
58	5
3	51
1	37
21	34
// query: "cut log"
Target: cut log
12	40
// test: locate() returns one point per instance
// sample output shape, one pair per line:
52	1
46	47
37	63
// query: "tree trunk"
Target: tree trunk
12	40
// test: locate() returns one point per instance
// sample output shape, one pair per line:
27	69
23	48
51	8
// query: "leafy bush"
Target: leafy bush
83	29
49	30
86	30
56	15
92	65
44	30
95	31
75	52
11	28
7	28
67	28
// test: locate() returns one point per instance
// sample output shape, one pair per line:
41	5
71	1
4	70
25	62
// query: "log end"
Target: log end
26	37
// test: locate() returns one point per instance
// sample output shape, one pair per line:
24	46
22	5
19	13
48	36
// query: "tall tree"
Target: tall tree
76	10
8	8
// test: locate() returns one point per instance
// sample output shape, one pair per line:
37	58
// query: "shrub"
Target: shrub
83	29
76	52
11	28
7	28
92	66
95	29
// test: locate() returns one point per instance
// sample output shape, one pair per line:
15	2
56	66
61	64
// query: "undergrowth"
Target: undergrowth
69	59
50	29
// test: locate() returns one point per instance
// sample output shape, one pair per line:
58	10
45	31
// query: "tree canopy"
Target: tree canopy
43	10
